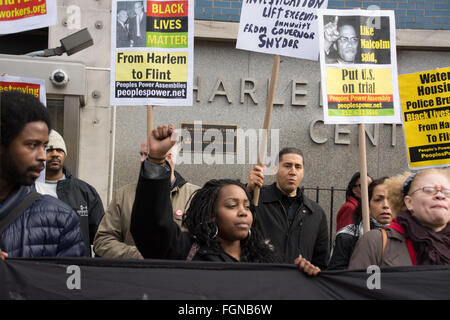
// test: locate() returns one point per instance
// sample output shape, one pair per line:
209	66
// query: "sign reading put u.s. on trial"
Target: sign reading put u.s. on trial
358	66
152	53
425	98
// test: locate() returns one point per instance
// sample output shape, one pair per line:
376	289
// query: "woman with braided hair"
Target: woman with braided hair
219	219
215	225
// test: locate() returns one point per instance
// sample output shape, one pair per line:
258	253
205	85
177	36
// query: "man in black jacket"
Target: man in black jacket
294	224
79	195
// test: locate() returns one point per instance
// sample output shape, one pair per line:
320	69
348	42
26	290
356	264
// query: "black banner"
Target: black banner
106	279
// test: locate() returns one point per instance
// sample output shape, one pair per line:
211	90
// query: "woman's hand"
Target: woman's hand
160	141
306	266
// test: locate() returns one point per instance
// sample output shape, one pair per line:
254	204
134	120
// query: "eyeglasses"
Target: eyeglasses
346	40
433	191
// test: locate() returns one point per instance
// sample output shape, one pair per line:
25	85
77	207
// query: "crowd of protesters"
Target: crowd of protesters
164	217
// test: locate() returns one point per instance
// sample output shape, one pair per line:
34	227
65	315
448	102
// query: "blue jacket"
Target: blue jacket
48	228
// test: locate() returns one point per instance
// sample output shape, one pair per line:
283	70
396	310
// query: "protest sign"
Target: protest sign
278	27
35	87
283	27
22	15
425	98
358	66
359	75
152	53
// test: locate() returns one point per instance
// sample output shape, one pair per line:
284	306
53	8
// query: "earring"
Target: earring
215	233
246	240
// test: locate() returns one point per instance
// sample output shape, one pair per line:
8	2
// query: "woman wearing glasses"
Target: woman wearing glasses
420	233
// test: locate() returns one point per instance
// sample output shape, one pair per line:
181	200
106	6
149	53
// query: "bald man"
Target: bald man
113	239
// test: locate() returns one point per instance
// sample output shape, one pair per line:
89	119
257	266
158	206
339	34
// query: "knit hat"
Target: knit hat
55	141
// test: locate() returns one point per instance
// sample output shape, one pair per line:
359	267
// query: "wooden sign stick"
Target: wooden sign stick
267	118
363	177
150	123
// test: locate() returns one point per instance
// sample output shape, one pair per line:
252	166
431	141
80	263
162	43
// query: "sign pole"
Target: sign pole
150	123
363	177
267	118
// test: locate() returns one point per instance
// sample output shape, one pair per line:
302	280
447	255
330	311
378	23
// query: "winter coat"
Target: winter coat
154	231
368	250
345	242
85	201
308	234
113	238
157	236
47	228
344	216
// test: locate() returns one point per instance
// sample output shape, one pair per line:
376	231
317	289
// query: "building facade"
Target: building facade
231	89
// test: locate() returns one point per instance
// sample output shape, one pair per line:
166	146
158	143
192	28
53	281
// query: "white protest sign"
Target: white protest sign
152	53
283	27
358	65
22	15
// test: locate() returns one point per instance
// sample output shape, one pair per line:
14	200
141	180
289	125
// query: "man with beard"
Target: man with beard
31	225
79	195
340	42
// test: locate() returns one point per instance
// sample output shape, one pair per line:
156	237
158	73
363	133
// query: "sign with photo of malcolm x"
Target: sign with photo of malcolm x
358	66
356	40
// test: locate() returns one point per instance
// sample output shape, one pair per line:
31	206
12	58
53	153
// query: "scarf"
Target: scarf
358	230
432	248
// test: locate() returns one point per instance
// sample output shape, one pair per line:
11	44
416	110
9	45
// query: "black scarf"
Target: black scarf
432	248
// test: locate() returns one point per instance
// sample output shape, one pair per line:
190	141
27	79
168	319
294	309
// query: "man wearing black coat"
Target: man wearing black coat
78	194
294	224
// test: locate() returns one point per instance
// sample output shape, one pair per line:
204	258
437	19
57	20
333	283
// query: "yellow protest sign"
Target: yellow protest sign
151	66
425	99
359	92
152	53
358	67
